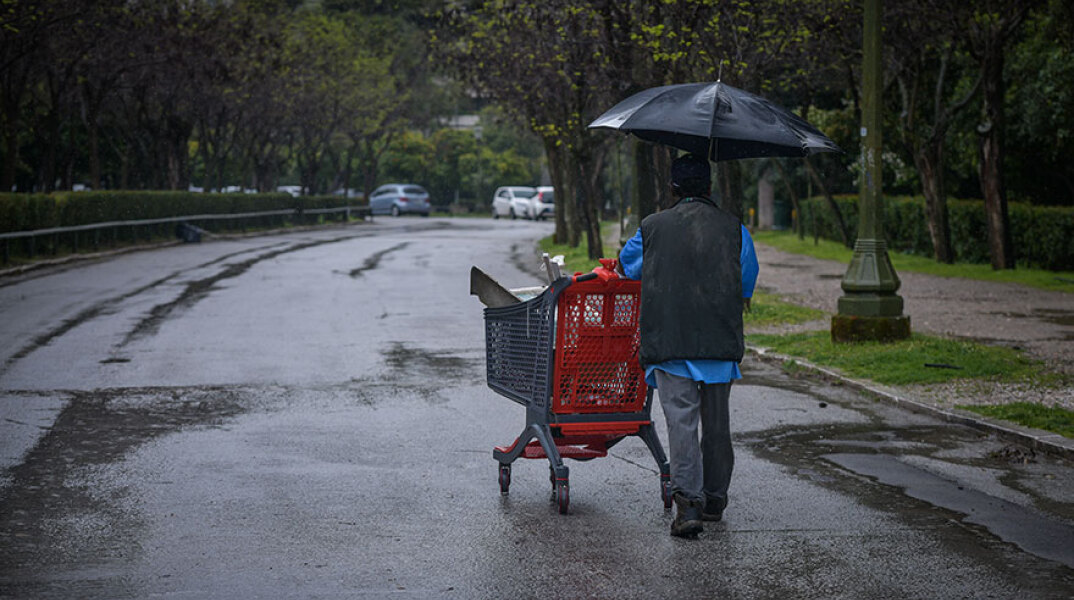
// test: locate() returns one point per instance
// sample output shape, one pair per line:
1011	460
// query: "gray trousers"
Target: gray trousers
700	472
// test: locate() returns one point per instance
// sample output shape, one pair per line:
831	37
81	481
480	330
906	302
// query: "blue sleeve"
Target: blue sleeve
748	258
630	257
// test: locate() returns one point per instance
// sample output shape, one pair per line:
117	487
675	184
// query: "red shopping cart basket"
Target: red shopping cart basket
570	356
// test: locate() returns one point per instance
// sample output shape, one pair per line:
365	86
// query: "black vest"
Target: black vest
691	284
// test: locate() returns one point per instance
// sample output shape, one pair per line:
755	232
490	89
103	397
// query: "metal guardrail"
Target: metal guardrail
134	224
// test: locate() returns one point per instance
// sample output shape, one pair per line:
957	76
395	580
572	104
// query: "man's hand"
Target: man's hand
746	304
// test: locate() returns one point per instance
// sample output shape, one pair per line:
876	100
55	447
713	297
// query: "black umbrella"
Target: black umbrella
715	120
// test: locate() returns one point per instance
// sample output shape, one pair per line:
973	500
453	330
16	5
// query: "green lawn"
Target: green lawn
768	309
919	360
1049	418
1038	278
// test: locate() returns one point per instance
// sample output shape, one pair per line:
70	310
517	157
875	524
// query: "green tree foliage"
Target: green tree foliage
555	65
1040	113
162	94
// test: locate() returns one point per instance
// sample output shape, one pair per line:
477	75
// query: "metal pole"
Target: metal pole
869	309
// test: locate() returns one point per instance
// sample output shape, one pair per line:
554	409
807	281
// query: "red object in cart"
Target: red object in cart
570	355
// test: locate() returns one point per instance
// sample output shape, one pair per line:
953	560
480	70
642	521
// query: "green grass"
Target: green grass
1049	418
903	363
767	310
826	249
577	259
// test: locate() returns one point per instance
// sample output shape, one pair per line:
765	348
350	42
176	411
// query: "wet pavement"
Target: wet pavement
305	416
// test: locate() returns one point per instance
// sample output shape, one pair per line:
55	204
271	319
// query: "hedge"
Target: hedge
1043	235
26	212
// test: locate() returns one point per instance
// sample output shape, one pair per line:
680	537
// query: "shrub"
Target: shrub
1043	235
28	212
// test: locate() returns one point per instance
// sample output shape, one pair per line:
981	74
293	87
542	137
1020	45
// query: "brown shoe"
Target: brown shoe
687	521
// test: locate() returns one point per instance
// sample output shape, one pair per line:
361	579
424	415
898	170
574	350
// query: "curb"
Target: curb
1043	441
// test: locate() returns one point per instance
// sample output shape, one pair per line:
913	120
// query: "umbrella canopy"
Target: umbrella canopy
715	120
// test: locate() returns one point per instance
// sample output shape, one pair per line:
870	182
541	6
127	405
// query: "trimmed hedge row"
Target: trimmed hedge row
1043	235
26	212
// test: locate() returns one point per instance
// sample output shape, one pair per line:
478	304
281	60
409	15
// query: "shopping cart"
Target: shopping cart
570	356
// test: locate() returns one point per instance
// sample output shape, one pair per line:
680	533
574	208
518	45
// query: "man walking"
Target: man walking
697	267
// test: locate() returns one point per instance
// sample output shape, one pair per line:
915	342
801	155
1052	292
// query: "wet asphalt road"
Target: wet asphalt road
305	416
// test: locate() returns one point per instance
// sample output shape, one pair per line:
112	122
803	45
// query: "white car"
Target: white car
543	204
512	201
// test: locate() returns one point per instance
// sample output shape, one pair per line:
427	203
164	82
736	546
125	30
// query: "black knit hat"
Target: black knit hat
691	171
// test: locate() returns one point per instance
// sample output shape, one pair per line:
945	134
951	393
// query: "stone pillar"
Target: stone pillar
766	205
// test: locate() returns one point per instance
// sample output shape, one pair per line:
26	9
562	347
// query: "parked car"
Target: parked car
543	204
398	199
512	201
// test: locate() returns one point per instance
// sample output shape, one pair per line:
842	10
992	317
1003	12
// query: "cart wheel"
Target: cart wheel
665	492
563	496
505	478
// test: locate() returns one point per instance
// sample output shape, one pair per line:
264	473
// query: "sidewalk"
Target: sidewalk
1039	322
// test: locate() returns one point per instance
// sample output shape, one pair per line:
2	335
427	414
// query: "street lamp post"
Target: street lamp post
869	309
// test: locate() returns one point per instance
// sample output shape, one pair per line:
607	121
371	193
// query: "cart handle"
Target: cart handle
606	272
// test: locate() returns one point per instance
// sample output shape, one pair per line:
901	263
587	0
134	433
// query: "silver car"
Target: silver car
399	199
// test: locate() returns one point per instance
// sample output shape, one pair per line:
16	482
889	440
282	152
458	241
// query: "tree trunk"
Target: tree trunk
573	196
68	177
125	169
92	99
568	188
11	156
176	153
929	162
646	184
555	168
94	143
832	204
590	165
1000	244
729	175
47	174
796	223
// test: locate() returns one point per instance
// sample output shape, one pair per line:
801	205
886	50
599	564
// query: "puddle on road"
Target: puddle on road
1010	522
1057	317
427	364
373	261
50	514
198	290
869	452
194	292
1063	318
84	316
426	372
853	458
